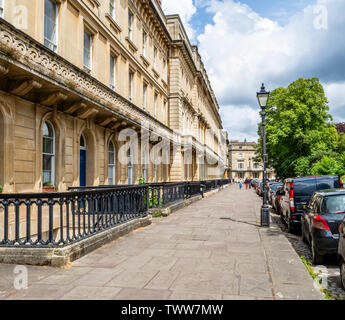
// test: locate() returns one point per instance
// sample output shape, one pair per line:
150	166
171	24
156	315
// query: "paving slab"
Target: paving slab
213	249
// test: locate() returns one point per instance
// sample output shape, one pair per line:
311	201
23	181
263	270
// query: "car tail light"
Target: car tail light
292	202
341	184
320	223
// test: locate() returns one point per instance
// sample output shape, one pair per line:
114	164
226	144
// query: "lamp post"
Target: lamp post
263	96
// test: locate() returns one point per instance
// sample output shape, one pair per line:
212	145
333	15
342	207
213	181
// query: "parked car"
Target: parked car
341	253
276	199
297	192
258	188
271	191
254	182
321	220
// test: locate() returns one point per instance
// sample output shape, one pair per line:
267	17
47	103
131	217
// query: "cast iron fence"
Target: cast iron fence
58	219
61	218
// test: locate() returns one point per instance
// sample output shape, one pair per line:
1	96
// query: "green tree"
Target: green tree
327	165
298	128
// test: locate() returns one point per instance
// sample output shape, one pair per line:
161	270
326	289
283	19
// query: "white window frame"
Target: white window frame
111	166
155	58
130	25
155	98
164	110
240	165
49	43
144	96
144	43
155	172
52	155
88	67
112	66
2	8
164	69
130	85
183	120
112	10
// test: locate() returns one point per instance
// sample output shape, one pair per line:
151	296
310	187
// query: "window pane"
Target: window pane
50	15
48	145
112	71
112	8
111	154
87	49
1	8
47	163
111	174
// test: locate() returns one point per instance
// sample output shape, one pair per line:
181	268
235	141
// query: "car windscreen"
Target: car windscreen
304	188
334	204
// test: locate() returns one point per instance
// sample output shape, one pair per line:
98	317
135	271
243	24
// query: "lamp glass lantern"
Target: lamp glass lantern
263	96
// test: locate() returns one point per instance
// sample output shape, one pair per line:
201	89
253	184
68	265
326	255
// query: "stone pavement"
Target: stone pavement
212	249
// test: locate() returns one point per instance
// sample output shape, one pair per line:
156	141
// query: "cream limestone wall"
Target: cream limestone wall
245	151
178	79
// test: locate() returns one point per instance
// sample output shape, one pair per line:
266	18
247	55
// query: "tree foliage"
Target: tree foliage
298	130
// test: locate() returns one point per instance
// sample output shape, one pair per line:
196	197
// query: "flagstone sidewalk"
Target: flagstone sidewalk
212	249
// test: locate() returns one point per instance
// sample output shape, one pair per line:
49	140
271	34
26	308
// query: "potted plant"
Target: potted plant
1	188
49	187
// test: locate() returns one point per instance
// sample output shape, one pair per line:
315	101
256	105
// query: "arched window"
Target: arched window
48	152
111	163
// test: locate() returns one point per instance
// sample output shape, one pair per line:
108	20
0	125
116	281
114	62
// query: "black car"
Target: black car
297	192
321	220
341	252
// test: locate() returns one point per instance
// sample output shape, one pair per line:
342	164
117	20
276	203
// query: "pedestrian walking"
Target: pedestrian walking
240	185
246	184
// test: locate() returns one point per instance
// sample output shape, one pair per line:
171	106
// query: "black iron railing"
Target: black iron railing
61	218
58	219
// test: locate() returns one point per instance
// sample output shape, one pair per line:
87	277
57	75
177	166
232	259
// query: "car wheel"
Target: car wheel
342	273
316	258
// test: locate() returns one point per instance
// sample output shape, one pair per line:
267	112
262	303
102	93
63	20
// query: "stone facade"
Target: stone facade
76	73
243	164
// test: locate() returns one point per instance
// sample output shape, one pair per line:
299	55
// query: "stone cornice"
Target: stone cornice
30	53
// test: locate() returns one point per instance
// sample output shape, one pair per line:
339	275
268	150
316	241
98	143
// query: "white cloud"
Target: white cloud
242	120
335	93
186	10
241	50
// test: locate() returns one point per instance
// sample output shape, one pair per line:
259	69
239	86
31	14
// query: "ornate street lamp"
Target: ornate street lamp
263	96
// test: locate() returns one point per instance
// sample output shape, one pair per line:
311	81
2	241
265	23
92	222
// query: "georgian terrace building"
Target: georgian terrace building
243	164
75	73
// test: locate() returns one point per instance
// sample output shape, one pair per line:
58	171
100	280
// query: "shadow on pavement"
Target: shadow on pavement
240	221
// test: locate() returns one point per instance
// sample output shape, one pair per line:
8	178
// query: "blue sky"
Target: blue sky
245	43
279	10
